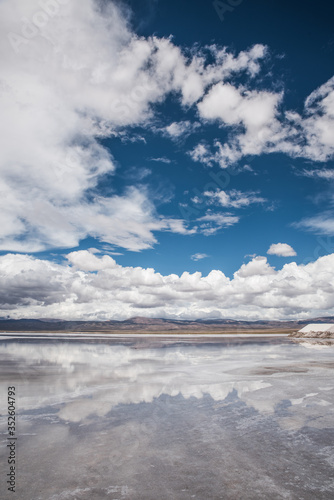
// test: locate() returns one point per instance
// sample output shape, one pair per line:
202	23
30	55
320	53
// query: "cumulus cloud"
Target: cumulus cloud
94	286
73	72
58	98
197	76
257	126
258	266
61	100
281	249
233	106
255	113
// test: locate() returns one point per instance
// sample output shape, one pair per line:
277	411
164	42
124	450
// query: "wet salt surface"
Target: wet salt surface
170	418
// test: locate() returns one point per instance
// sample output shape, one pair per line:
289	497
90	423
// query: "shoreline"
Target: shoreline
98	335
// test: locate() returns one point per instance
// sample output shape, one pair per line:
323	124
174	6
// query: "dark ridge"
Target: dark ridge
152	324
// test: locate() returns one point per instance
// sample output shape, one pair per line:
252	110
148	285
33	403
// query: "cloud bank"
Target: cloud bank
91	287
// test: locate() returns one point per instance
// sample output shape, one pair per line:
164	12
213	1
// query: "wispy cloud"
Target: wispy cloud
234	198
199	256
319	224
212	222
183	129
325	173
137	173
163	159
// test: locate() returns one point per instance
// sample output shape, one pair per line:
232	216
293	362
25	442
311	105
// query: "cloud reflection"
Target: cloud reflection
92	379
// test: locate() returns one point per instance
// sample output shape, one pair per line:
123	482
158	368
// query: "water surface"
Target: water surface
157	418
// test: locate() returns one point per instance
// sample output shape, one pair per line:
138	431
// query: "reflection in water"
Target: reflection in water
156	419
314	343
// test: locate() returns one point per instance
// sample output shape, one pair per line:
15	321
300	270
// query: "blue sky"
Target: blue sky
188	143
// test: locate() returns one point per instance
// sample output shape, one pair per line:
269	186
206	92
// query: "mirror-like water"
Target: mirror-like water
152	418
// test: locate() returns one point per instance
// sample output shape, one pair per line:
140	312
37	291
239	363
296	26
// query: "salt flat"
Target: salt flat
147	418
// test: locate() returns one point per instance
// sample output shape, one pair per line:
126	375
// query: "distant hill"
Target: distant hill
141	324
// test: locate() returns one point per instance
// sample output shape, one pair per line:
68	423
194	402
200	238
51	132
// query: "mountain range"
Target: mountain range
142	324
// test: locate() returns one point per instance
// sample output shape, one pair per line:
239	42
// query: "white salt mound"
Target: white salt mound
315	327
317	330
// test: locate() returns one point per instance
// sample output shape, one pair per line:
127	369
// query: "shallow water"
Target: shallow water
160	418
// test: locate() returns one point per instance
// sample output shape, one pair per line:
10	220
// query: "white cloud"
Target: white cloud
281	249
87	261
127	221
324	173
256	126
180	129
320	224
195	77
258	266
73	73
211	222
58	94
199	256
163	159
62	93
201	152
254	111
234	198
318	125
176	226
94	286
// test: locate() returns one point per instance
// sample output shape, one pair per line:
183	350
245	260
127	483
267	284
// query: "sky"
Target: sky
166	159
